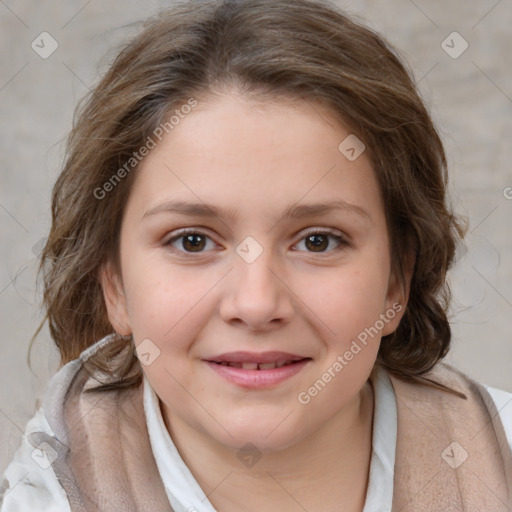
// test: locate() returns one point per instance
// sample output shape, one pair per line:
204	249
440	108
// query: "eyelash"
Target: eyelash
341	240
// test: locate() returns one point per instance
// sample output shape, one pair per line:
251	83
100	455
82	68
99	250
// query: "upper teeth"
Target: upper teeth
257	366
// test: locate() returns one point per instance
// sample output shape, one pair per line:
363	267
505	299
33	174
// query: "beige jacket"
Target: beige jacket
452	453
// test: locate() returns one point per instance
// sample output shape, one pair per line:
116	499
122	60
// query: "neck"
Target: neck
330	467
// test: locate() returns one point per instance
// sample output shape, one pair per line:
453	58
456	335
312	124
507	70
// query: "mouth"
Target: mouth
259	366
256	371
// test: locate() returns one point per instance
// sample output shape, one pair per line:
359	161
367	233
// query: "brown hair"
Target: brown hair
272	49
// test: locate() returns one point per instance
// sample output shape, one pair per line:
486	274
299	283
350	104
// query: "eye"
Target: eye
189	240
318	240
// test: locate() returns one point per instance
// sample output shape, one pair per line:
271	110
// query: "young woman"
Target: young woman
246	279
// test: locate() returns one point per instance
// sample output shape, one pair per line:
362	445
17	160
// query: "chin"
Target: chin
267	433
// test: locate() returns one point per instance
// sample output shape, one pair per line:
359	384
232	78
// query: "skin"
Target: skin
258	159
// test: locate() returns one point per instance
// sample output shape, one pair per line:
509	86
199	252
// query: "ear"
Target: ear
115	299
398	294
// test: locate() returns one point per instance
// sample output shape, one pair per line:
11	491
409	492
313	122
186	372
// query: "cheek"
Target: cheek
167	315
348	300
166	304
349	309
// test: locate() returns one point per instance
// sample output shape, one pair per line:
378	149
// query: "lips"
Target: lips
256	361
253	370
257	366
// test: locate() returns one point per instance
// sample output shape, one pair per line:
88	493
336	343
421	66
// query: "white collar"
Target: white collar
185	494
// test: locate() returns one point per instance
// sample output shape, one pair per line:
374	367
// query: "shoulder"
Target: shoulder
503	401
444	385
29	482
499	401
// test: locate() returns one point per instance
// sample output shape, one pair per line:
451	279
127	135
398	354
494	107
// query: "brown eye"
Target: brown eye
189	242
319	241
193	243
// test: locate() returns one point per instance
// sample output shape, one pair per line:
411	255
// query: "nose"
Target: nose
257	295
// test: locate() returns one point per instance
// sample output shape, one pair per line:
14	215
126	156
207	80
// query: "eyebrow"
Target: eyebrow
294	211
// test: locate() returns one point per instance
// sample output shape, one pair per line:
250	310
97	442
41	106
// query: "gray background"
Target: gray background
470	98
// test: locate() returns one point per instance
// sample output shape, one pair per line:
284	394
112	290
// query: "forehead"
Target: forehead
243	154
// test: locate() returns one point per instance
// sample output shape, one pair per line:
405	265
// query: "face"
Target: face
280	281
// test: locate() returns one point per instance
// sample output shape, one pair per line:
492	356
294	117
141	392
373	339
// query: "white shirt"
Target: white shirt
33	488
185	494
